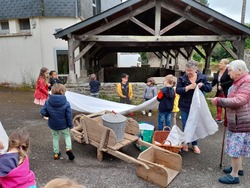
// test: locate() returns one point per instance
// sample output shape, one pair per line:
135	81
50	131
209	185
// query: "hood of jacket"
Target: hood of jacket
57	100
21	176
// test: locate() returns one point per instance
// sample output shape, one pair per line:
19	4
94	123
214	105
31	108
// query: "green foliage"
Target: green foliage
211	107
144	58
219	52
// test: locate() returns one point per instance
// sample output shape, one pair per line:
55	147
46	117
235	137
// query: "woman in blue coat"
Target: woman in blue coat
185	88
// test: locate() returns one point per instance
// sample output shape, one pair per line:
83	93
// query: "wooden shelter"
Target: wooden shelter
175	27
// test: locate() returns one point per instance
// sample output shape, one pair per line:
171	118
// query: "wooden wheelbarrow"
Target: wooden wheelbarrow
155	164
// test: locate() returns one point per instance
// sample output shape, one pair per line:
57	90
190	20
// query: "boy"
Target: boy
53	79
124	90
166	98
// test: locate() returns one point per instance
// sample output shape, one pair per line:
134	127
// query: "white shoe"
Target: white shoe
143	112
149	114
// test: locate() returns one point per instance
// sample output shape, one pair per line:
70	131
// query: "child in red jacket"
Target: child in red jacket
42	87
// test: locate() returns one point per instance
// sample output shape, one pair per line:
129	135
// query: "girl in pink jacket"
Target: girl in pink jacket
14	168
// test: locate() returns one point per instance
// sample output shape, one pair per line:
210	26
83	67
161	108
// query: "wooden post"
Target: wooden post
71	79
157	18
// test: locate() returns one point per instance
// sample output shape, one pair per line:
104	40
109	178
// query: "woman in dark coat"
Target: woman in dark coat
223	81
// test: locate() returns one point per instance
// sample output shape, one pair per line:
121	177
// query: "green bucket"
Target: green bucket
146	134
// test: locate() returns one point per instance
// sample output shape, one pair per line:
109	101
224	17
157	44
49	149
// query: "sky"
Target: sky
231	8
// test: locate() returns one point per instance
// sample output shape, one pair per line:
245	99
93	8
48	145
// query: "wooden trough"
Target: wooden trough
155	164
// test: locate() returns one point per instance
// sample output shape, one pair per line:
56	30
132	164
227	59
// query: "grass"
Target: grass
211	107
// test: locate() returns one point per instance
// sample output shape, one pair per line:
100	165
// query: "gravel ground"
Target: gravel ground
18	111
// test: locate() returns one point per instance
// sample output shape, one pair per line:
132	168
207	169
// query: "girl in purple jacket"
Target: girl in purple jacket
14	168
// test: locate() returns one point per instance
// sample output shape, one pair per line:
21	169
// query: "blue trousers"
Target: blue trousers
184	117
161	117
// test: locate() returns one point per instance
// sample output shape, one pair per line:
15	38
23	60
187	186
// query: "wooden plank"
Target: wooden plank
142	25
121	19
230	51
95	130
130	137
157	17
172	25
172	8
159	39
199	52
132	126
86	138
103	144
126	158
84	51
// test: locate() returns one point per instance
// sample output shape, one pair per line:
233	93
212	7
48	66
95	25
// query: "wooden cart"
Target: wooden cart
155	164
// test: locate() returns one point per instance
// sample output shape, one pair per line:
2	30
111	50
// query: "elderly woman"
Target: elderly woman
223	81
237	105
185	88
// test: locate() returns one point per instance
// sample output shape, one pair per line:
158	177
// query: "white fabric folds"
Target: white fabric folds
200	122
87	104
4	139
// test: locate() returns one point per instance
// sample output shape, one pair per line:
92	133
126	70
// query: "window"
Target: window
24	24
4	27
96	4
62	61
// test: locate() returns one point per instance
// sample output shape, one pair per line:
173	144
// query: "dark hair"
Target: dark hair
124	75
51	72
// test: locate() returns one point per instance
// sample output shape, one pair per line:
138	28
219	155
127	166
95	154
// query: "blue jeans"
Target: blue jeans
184	117
161	117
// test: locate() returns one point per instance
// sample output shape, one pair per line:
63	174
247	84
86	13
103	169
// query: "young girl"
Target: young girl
42	85
14	168
58	109
94	86
149	93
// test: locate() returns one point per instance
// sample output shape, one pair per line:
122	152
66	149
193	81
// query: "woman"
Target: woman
223	82
185	88
238	110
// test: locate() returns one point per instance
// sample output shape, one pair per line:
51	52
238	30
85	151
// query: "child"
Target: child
176	102
94	86
149	93
124	90
63	183
58	109
166	99
53	79
42	85
14	168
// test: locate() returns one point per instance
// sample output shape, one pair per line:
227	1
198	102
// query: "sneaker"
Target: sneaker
228	170
70	154
46	118
57	156
218	121
149	114
196	150
228	179
143	112
185	148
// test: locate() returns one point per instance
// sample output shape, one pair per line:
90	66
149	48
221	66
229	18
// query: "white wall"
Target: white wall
21	57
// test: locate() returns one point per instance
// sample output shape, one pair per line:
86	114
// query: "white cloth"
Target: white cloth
87	104
175	137
200	122
3	138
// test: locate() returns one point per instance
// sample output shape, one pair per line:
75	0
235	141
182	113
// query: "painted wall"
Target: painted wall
21	57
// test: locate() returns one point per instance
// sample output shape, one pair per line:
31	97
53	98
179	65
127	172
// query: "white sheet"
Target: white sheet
87	104
200	122
3	138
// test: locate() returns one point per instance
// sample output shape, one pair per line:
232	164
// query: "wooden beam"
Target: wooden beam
182	53
84	51
178	38
199	52
121	19
172	8
76	44
169	52
229	50
71	55
157	17
172	25
142	25
93	53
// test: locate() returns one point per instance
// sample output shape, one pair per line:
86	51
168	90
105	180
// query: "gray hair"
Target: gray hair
192	64
238	65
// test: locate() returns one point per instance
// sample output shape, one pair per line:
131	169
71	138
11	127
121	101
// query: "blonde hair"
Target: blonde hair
171	79
43	70
19	140
152	80
63	183
225	61
92	77
58	89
